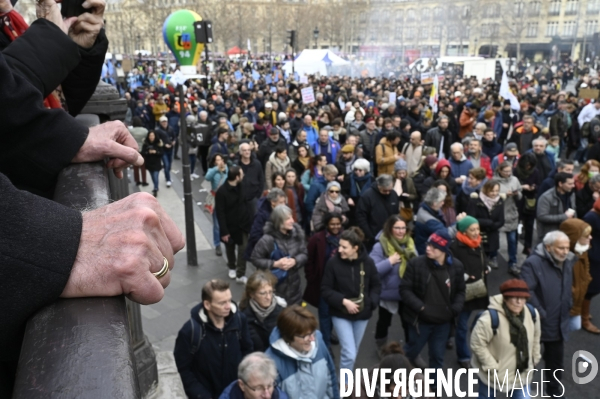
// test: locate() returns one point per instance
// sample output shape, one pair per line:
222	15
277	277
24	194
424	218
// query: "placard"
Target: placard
308	95
392	98
589	94
304	79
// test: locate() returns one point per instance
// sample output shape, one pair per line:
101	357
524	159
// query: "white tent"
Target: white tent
310	62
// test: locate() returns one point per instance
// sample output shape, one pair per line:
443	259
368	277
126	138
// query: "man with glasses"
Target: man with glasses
211	345
256	380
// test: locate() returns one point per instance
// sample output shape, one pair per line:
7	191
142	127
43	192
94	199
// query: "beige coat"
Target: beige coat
496	352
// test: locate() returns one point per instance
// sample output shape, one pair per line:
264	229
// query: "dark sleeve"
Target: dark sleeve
406	288
39	240
81	83
221	216
459	281
329	294
246	339
37	143
529	276
362	212
184	361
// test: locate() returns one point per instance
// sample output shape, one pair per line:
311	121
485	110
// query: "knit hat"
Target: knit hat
465	223
163	119
362	164
515	287
333	184
348	149
440	240
441	164
506	102
400	165
430	160
369	119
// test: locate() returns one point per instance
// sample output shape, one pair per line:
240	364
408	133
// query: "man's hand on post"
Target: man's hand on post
121	245
110	140
86	27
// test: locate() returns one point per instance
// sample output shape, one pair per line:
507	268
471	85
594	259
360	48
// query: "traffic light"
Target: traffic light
291	36
203	31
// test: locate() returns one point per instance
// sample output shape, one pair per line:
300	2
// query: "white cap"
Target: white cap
268	105
163	119
457	94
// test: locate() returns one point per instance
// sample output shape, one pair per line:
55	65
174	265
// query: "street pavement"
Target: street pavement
162	321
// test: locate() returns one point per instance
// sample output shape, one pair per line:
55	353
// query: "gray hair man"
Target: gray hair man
376	204
548	273
256	379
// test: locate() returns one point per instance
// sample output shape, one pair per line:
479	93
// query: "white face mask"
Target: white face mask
581	249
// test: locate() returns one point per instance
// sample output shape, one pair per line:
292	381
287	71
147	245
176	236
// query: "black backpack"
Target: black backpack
198	332
496	319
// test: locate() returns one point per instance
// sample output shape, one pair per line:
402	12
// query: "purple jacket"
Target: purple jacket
388	274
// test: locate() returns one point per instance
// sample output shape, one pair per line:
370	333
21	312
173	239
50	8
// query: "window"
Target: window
554	8
437	32
532	28
363	18
591	27
466	12
495	30
424	32
534	8
437	13
398	34
410	33
569	28
519	6
593	6
572	7
410	15
493	11
452	32
485	30
552	29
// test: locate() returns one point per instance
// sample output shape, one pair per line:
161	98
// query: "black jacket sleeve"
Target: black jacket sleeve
39	240
38	142
81	83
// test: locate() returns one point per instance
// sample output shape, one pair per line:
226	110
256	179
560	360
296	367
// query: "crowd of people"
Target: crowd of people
387	208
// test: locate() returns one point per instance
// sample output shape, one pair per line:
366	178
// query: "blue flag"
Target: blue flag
255	75
250	85
238	75
268	79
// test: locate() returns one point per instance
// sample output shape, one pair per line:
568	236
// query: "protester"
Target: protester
152	152
282	250
261	307
257	375
304	365
331	201
470	188
351	288
376	204
512	191
530	180
216	175
512	346
593	219
556	205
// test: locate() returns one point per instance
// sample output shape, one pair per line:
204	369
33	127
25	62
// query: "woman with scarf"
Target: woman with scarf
152	151
395	247
579	233
511	189
593	219
467	248
442	172
405	188
322	246
301	163
470	188
261	307
354	184
488	209
351	287
330	201
314	171
295	193
530	179
513	346
278	162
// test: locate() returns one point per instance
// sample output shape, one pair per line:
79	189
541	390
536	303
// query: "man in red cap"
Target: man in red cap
506	339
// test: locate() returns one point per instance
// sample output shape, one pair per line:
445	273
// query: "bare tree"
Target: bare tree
513	15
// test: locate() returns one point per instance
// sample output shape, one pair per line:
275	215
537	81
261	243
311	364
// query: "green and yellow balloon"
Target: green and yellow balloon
179	35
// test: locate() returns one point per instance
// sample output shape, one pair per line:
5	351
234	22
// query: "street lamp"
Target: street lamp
138	46
316	35
476	50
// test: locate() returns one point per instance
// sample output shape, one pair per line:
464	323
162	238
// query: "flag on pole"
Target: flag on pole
433	97
507	94
249	47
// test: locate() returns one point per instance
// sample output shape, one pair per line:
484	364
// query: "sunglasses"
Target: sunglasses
334	191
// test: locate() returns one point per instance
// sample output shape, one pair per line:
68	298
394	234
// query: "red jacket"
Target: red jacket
486	163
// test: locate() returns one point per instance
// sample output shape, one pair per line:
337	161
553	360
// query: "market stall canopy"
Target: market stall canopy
310	62
236	51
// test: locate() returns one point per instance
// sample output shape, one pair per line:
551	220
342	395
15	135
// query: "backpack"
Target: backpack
496	319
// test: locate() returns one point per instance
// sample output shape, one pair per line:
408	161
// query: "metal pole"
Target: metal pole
206	66
190	233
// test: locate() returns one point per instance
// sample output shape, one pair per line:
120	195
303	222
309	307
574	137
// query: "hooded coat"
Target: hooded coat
574	228
496	352
294	245
490	221
324	206
303	377
550	287
206	373
511	211
475	262
373	209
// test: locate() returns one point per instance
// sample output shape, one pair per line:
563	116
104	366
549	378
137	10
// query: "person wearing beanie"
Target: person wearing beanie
513	345
405	188
548	273
442	172
510	154
579	233
433	294
467	248
330	201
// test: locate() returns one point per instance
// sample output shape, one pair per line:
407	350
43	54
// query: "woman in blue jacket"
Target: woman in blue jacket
395	247
216	175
